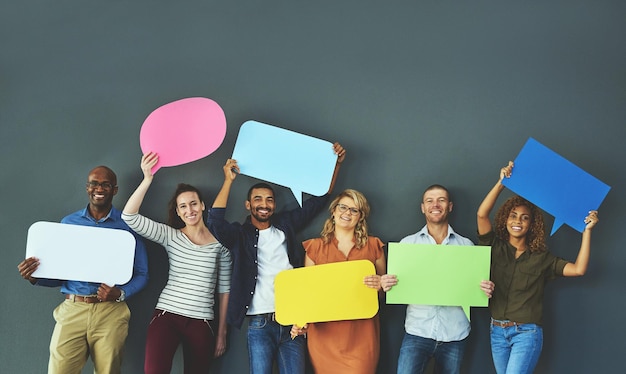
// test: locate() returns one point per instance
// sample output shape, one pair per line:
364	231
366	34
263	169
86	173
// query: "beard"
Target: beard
261	217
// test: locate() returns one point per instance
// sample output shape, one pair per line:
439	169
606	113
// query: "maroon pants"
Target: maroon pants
167	331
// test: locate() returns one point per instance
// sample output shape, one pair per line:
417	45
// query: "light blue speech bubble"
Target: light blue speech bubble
555	185
299	162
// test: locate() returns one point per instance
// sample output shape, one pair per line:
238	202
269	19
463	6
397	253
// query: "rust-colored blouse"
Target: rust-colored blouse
344	346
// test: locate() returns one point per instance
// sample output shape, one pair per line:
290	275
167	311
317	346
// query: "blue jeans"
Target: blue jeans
268	340
516	349
416	351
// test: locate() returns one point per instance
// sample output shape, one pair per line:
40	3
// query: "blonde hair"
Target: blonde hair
360	231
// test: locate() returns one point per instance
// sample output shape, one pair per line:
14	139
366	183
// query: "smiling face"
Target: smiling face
261	205
101	187
346	214
518	222
189	208
436	206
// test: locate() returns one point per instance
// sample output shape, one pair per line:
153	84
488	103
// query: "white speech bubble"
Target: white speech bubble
299	162
81	253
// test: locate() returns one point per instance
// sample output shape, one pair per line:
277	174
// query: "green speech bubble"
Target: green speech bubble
431	274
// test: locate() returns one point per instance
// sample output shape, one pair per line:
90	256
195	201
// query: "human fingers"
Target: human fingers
148	161
220	348
591	219
104	292
387	281
26	263
340	152
506	171
487	287
231	169
296	330
28	267
372	281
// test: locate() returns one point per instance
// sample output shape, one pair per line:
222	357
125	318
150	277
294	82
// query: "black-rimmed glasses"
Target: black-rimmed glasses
105	185
344	208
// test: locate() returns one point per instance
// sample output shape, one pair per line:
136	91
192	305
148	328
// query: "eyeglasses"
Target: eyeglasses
105	185
344	208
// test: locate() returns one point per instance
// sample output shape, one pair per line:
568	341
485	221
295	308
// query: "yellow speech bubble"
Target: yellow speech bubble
328	292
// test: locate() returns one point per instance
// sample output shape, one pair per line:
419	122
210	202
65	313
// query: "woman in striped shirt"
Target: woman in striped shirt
198	264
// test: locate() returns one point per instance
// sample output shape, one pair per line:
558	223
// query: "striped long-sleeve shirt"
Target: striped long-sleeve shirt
195	271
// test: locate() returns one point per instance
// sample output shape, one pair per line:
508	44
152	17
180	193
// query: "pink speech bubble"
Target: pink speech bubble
183	131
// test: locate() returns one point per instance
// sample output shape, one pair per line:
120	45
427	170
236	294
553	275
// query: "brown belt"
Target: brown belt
505	324
84	299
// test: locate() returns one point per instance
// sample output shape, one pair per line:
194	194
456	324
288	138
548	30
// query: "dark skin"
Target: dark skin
100	204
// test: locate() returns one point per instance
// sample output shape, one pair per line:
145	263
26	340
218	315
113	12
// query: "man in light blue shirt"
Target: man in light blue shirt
438	332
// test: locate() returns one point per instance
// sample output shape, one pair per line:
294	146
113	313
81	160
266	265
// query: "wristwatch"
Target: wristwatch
122	296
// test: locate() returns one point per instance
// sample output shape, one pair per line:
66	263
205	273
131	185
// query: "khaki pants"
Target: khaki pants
82	329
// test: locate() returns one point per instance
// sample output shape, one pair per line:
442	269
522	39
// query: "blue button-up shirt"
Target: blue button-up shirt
242	241
440	323
113	221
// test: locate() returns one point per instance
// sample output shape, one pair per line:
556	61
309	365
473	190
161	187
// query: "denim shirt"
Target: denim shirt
113	220
242	241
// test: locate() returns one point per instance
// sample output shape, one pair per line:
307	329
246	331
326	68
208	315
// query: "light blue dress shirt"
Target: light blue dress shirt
440	323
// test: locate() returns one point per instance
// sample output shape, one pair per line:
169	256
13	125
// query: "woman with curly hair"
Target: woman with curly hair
345	346
520	267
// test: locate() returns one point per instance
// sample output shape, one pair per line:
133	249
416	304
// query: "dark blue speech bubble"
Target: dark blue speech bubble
555	185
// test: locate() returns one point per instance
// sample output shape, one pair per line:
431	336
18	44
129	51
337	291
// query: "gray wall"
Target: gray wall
419	92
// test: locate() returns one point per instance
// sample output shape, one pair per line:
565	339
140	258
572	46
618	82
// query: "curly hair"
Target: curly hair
173	218
360	231
535	238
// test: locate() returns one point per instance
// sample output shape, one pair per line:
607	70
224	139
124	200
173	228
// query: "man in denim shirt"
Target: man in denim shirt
93	319
261	247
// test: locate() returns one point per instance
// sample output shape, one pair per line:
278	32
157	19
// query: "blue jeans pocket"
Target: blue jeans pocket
526	328
257	323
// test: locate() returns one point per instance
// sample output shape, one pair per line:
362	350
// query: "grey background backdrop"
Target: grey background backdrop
419	92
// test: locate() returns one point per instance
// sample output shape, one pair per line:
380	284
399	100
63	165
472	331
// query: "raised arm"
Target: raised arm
231	169
341	155
134	201
485	208
579	267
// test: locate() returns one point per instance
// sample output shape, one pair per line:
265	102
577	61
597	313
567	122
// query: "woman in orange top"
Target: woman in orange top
345	346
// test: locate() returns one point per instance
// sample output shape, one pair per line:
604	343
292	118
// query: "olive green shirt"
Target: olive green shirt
518	295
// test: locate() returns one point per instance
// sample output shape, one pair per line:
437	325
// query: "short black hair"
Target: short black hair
260	185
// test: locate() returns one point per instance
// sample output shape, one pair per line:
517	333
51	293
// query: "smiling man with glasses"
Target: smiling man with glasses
93	319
